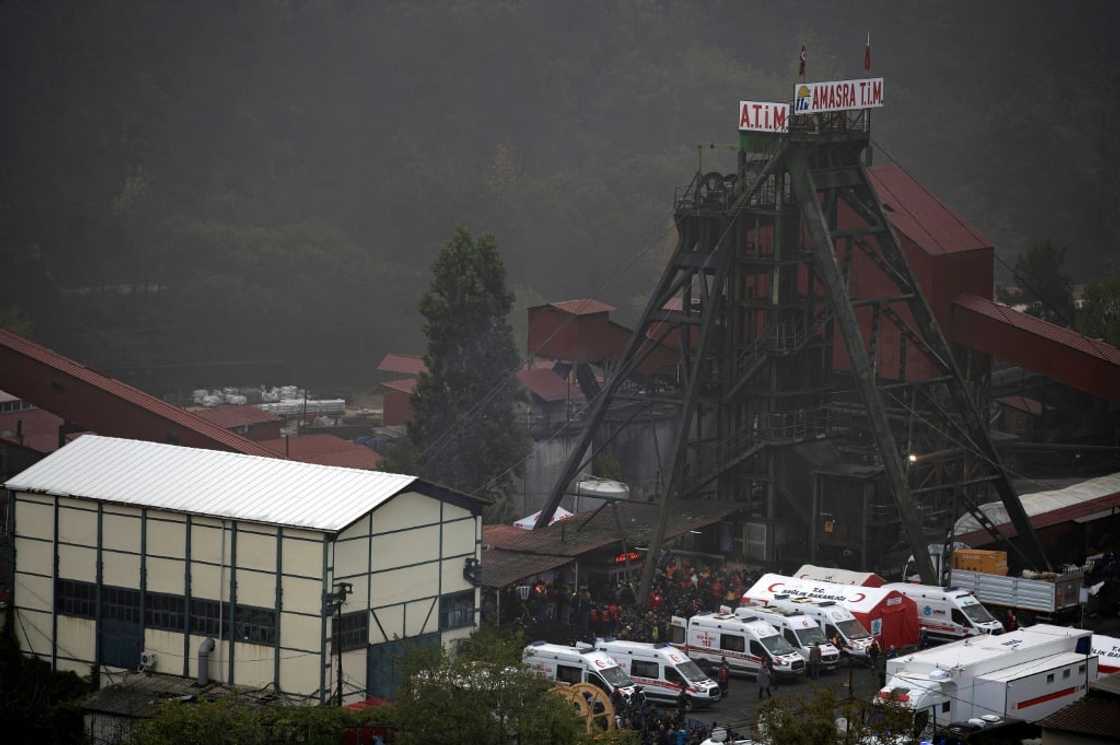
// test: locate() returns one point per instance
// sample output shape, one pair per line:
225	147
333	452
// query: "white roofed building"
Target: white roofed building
132	554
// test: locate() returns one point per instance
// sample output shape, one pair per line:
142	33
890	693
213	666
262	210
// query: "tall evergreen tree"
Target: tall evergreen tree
465	433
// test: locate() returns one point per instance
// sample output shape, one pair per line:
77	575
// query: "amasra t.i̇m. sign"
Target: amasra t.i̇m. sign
837	95
763	116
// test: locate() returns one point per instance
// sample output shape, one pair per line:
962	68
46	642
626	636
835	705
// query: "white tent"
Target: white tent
527	523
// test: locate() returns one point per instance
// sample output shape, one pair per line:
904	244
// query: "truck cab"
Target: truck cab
743	642
663	671
580	664
948	613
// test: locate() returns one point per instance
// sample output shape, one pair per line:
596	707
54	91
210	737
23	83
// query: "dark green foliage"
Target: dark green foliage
1047	291
230	722
811	720
1099	316
465	434
37	705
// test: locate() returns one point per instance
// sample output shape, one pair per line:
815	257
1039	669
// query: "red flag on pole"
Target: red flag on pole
801	69
867	54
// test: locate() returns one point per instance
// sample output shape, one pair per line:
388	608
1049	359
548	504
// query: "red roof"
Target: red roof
230	416
1022	403
546	385
105	405
39	428
583	306
403	364
404	385
921	216
324	449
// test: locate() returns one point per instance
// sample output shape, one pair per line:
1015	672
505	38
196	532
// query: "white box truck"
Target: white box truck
948	613
1048	597
1026	674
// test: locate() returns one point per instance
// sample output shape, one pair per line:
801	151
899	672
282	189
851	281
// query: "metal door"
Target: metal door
385	664
121	643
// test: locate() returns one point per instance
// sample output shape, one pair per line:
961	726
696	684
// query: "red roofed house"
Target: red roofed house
397	401
402	364
326	450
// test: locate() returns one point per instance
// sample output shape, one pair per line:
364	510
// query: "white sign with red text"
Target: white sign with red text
763	116
837	95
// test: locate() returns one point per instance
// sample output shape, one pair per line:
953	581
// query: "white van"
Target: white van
662	671
743	642
948	613
582	664
834	620
801	631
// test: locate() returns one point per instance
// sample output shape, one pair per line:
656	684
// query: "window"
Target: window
568	674
645	669
1066	673
789	637
959	619
946	706
206	617
75	598
456	610
354	633
1080	669
1050	678
676	634
674	677
757	650
255	625
162	611
731	643
120	604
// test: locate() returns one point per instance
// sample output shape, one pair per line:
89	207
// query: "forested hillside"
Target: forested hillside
270	180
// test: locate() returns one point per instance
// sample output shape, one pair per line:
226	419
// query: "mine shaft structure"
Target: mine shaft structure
782	396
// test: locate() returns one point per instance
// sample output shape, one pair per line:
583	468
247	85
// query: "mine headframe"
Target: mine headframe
776	348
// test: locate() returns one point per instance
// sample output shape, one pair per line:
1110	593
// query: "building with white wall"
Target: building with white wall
124	547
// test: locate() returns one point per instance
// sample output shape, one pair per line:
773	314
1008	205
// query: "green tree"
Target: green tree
1047	291
464	433
1099	317
808	720
36	704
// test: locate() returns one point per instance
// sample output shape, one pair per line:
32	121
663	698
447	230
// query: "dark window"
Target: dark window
73	598
206	617
731	642
788	634
644	669
1080	669
676	634
958	618
354	633
1050	678
1066	673
674	677
255	625
757	650
456	610
946	706
120	604
598	682
163	611
566	674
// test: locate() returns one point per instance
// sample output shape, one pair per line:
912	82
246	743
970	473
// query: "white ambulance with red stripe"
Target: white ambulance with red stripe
662	671
743	641
1107	649
1026	674
948	613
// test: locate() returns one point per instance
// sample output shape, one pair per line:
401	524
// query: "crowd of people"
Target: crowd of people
665	727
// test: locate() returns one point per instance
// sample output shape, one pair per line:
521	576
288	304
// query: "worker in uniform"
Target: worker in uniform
723	676
763	679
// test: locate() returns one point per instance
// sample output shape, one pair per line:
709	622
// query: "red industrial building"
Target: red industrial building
326	450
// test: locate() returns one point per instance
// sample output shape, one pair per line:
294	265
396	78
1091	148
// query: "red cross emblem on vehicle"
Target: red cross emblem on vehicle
706	638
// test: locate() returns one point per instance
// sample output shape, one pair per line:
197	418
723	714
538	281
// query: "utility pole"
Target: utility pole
333	605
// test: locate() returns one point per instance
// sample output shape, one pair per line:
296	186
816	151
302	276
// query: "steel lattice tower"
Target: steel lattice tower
779	354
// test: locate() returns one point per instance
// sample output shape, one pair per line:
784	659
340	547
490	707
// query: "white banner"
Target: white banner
837	95
763	116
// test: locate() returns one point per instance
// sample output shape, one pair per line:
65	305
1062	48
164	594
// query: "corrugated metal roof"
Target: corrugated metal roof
547	385
325	449
25	349
405	364
501	568
585	306
922	217
210	482
1090	495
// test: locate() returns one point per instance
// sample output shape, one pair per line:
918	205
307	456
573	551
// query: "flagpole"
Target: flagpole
869	152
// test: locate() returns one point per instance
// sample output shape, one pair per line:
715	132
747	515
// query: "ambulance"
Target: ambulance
1107	649
581	664
801	631
662	671
743	641
834	619
948	613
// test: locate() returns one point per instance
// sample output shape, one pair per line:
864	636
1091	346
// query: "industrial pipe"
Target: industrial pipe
204	651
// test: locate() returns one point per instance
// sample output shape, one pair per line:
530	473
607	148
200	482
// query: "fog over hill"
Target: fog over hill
270	180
